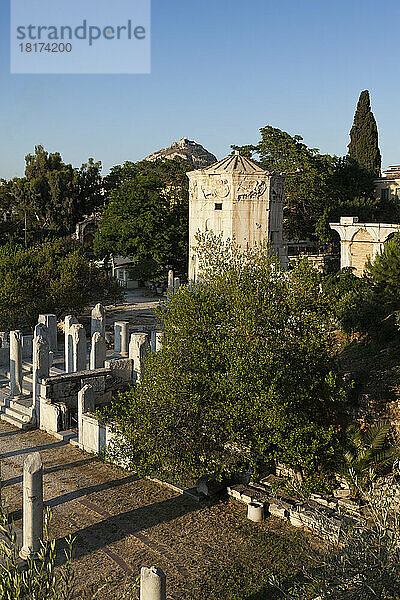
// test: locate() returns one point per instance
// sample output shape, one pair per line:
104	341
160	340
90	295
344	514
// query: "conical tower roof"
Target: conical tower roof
235	163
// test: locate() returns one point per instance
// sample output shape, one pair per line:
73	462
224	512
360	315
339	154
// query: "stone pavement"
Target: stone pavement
123	523
118	518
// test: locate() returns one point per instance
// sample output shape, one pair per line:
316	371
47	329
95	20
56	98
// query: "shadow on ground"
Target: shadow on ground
54	469
33	449
118	527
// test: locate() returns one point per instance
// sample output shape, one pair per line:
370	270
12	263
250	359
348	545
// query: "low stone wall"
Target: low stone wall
58	396
95	437
314	514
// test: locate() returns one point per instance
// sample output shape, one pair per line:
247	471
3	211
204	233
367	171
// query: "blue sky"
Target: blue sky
220	70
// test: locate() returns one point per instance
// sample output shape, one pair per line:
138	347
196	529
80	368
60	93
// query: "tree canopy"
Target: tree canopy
50	199
364	142
321	187
245	374
147	216
53	277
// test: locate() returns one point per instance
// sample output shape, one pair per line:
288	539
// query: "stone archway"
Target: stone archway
361	247
360	240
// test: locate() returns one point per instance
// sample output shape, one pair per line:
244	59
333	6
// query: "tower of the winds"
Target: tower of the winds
238	199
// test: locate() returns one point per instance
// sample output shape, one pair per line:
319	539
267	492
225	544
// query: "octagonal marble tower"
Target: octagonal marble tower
238	199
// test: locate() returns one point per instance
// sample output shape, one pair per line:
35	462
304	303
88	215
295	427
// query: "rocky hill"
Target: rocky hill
188	150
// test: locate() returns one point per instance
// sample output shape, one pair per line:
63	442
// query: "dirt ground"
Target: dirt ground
137	308
122	523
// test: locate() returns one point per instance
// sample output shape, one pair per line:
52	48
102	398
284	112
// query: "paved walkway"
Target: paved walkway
122	523
119	520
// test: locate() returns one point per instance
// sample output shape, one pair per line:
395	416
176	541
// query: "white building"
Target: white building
235	197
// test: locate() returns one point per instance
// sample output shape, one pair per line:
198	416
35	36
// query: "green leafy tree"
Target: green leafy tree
147	216
364	142
53	277
384	271
354	303
369	304
320	187
50	199
307	192
245	374
39	578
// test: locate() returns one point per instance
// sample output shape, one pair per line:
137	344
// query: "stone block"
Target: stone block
276	509
327	501
121	369
342	493
209	486
235	491
295	518
255	512
349	506
348	220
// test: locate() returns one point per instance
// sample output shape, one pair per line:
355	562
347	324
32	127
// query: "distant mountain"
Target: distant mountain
188	150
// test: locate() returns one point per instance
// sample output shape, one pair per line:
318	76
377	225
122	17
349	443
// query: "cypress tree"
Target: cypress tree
364	147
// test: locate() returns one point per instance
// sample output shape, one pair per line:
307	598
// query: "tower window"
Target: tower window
218	206
385	194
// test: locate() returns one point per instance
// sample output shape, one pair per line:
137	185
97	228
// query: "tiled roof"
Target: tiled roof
234	164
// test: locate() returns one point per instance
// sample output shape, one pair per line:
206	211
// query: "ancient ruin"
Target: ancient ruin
187	150
58	390
360	241
235	197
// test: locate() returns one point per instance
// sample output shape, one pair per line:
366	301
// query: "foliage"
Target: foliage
364	144
50	199
147	216
385	272
355	304
369	304
319	483
53	277
245	371
307	182
320	187
366	454
366	565
39	579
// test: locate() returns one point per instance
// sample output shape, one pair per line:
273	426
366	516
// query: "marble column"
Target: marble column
121	337
98	321
170	281
139	347
79	348
152	584
51	323
85	405
41	331
41	365
97	352
33	505
15	363
68	343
